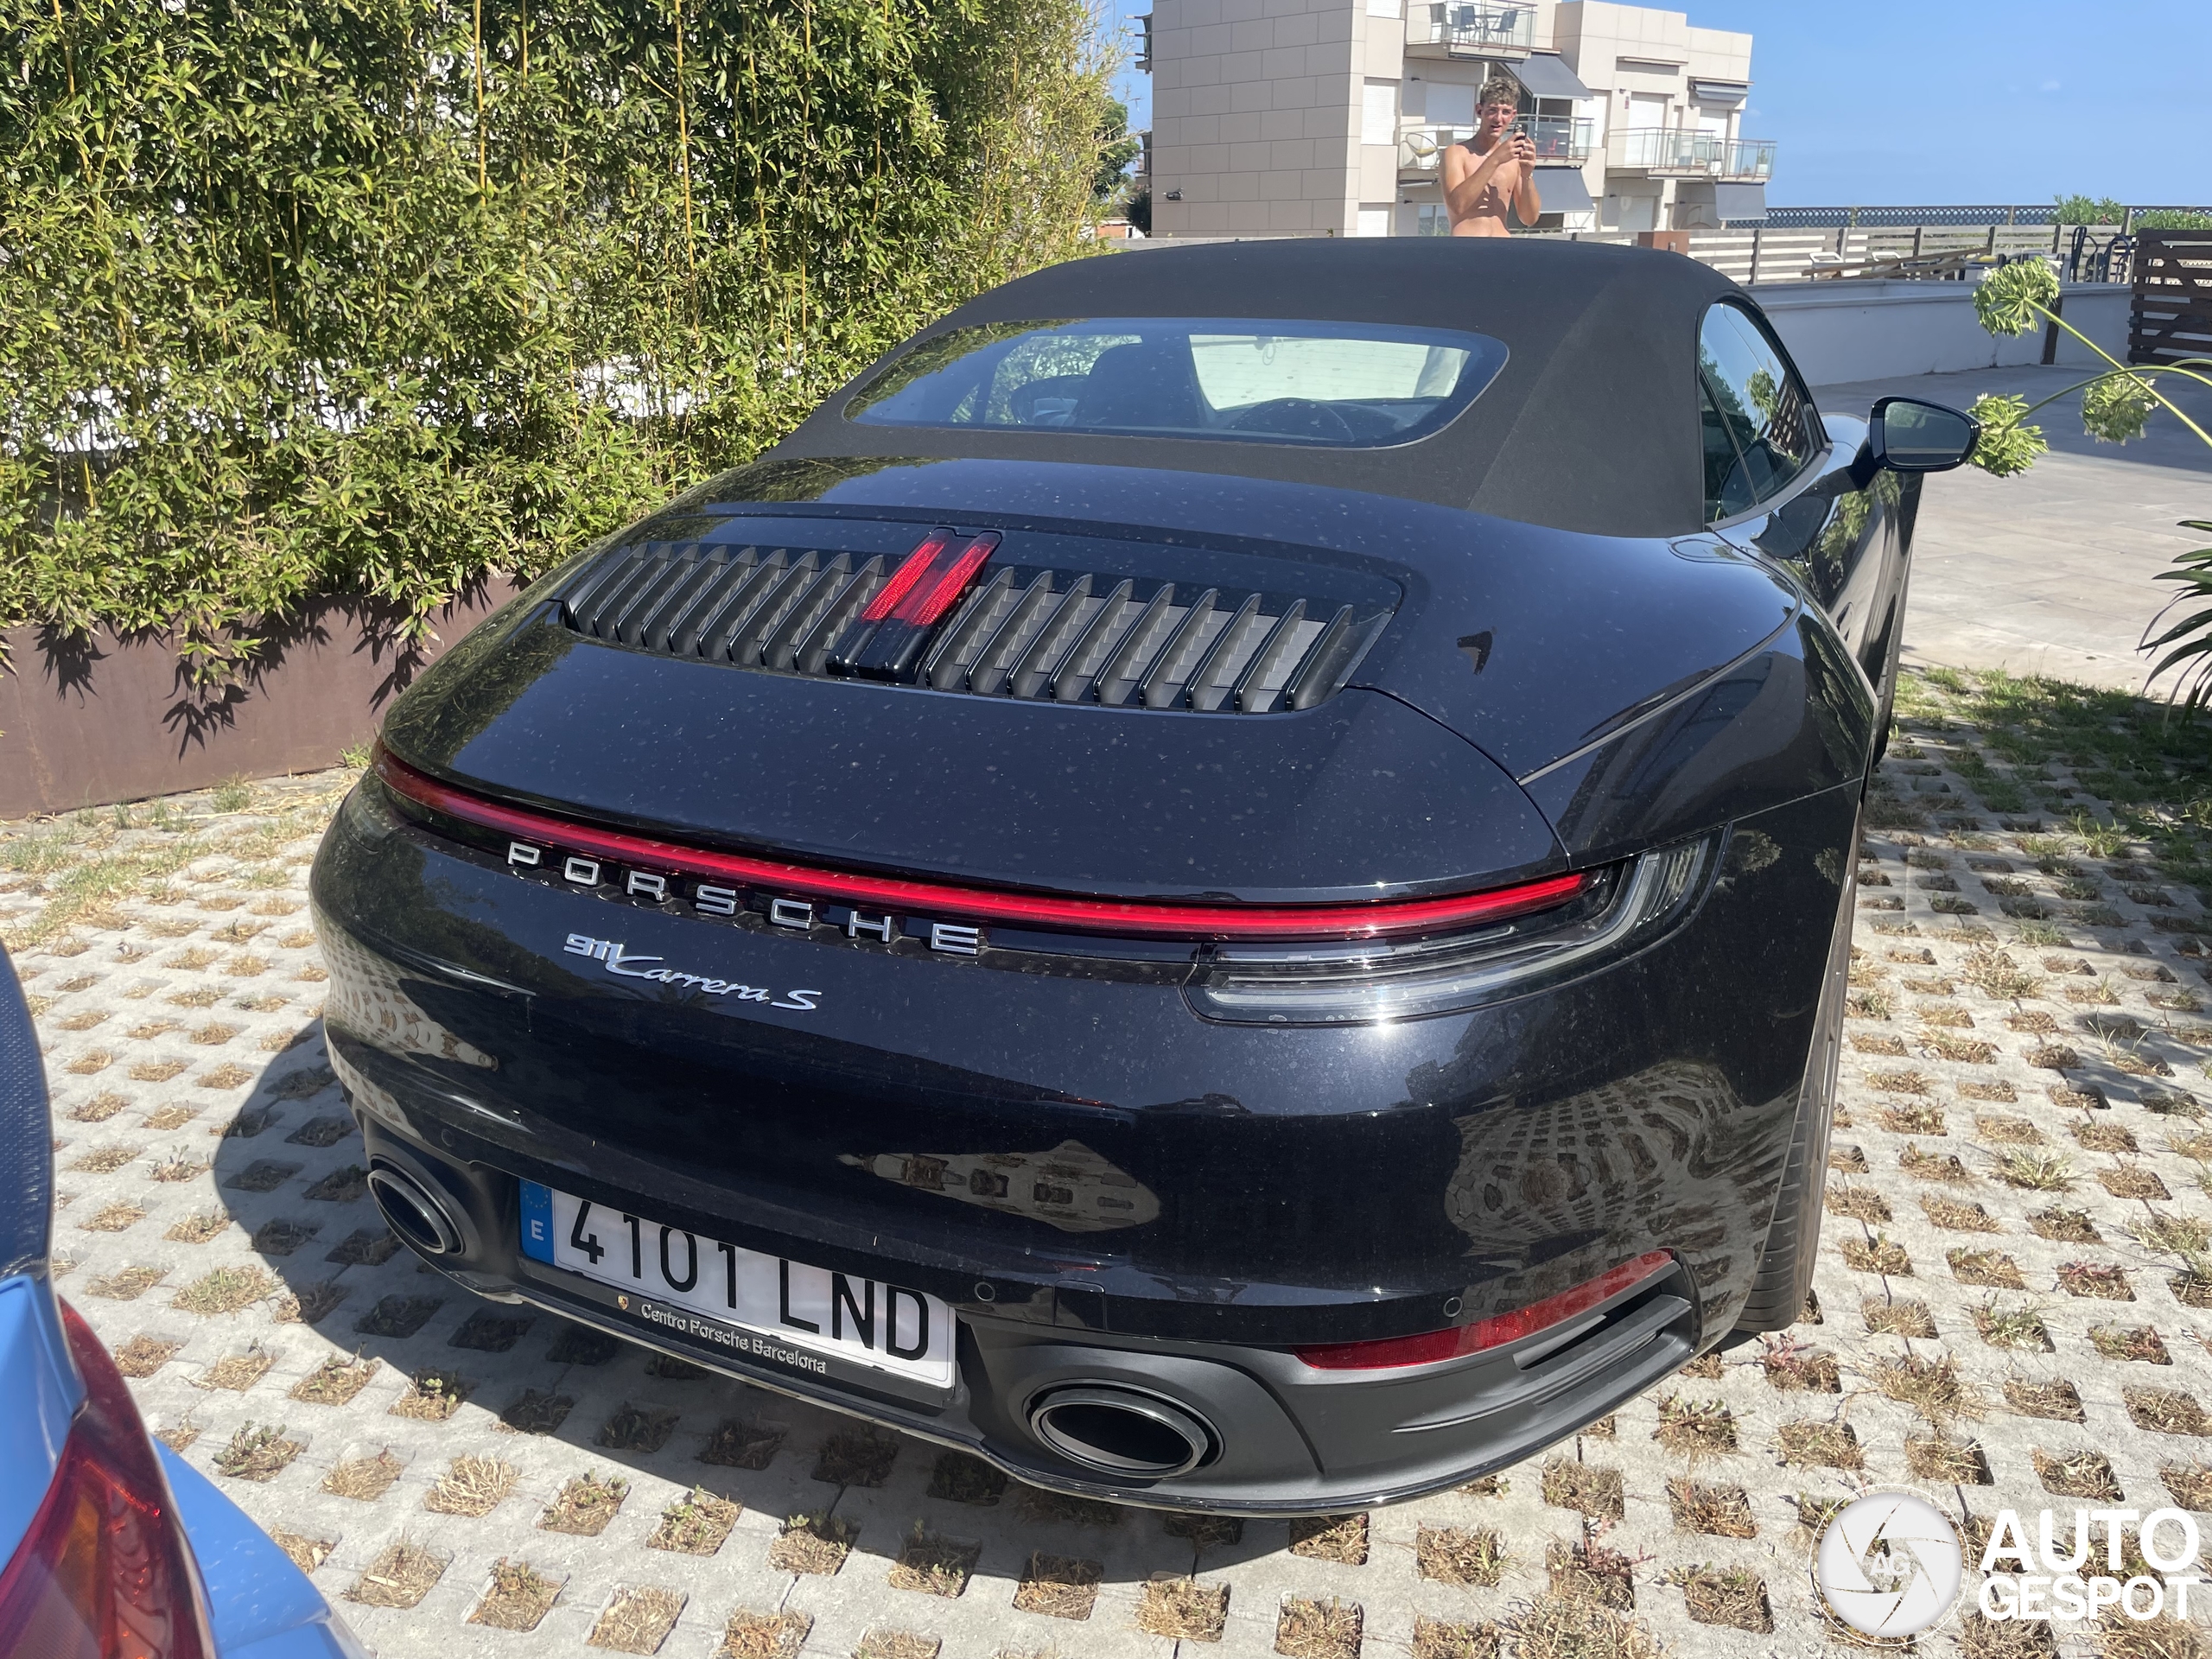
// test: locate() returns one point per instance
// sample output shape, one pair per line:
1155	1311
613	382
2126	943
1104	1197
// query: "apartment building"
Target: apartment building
1329	118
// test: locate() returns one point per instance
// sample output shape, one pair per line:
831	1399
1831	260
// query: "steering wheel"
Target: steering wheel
1295	418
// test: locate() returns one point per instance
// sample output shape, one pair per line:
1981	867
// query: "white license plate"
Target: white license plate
784	1311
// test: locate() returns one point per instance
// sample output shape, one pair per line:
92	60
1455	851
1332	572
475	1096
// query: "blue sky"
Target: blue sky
1930	101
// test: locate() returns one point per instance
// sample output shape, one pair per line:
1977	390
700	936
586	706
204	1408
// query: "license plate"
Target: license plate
783	1310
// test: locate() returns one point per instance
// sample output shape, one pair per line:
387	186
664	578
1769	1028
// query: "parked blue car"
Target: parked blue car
112	1546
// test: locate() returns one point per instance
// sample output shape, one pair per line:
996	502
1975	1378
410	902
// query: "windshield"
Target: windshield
1330	384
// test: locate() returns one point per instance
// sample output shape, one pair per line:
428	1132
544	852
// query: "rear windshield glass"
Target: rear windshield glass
1334	384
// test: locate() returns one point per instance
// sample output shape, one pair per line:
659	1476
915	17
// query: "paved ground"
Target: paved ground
2002	1309
2050	572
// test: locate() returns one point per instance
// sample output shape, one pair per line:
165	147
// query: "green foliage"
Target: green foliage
2172	219
2007	444
2012	299
323	295
2115	408
2192	637
1116	150
2090	210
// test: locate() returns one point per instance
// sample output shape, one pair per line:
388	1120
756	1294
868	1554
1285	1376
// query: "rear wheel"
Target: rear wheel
1785	1275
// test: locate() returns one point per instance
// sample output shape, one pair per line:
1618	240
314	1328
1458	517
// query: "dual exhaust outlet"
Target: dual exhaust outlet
1114	1430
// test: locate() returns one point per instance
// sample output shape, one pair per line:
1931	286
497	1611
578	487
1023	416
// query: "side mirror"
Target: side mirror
1907	436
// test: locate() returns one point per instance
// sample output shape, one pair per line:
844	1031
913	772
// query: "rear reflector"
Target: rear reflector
1460	1340
105	1572
1131	917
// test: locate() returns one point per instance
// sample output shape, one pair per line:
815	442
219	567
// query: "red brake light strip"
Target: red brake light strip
1386	918
910	571
929	601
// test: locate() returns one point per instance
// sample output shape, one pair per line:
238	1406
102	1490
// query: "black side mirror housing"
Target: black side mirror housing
1909	435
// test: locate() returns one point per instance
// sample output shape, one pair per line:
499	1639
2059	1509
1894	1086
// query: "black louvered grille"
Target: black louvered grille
1024	631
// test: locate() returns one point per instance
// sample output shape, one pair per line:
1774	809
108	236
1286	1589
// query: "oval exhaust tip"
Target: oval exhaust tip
414	1213
1121	1432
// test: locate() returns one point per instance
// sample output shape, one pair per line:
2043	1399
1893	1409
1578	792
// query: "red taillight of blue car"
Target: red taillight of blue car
104	1572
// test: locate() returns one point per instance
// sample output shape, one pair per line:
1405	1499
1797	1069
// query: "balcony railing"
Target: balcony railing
1475	29
1696	155
1561	141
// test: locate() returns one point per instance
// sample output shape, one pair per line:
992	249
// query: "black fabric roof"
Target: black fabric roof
1590	425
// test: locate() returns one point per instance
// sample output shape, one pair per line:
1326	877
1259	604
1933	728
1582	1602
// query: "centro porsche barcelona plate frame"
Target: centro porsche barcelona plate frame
671	1272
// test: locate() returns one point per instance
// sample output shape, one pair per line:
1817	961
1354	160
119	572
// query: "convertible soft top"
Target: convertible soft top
1592	425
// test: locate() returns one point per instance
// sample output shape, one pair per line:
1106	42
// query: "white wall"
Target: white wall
1842	331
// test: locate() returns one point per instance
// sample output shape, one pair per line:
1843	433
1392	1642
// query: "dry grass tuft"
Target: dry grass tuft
764	1636
1717	1511
857	1457
1460	1555
1342	1538
637	1620
143	1354
336	1380
814	1543
1058	1587
1734	1597
2099	1280
2077	1474
1877	1255
400	1576
1991	1269
1897	1318
585	1505
2140	1343
1182	1609
365	1479
1951	1462
1561	1627
1307	1629
1595	1491
225	1290
517	1598
1933	1388
472	1486
2059	1402
1829	1446
1436	1638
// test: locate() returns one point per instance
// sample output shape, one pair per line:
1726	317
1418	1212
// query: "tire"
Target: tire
1793	1237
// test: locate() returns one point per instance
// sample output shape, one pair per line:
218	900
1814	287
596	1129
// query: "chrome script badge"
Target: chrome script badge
609	954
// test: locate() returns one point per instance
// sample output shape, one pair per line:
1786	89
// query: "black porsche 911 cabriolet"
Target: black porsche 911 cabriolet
1227	881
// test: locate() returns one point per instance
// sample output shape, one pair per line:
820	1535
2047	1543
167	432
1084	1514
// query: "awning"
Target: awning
1719	91
1737	201
1546	75
1561	190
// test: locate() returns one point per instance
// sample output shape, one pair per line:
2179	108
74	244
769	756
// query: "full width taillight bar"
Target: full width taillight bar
1458	1341
1145	919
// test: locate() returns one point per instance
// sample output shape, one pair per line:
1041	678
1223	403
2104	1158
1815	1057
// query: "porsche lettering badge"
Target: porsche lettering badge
654	888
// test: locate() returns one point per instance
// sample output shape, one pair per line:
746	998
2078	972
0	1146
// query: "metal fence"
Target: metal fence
2043	213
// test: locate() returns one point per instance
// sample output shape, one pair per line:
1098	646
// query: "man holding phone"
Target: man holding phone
1495	167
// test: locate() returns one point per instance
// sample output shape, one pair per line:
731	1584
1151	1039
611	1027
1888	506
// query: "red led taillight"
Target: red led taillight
912	570
103	1572
1389	918
886	641
930	601
1458	1341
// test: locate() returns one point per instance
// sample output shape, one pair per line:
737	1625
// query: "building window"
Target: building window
1434	219
1373	221
1386	7
1378	113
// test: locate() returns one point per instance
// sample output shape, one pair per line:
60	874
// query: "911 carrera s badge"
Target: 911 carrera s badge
610	956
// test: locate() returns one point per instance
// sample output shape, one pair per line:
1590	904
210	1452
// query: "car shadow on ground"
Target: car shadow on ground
291	1173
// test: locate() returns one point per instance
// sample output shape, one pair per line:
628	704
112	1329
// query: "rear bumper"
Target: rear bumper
1286	1437
1275	1187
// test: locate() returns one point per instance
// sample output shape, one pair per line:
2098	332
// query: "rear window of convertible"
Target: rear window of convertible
1328	384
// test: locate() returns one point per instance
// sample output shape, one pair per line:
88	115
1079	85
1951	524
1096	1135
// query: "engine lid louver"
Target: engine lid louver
1025	631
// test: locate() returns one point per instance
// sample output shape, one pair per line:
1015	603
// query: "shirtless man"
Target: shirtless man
1491	169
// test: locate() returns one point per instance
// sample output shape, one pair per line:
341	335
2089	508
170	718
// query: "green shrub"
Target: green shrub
324	296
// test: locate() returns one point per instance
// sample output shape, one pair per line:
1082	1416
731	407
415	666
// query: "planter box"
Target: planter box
90	722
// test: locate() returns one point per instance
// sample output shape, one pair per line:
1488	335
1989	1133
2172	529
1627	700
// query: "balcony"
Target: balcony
1454	28
1674	152
1561	141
